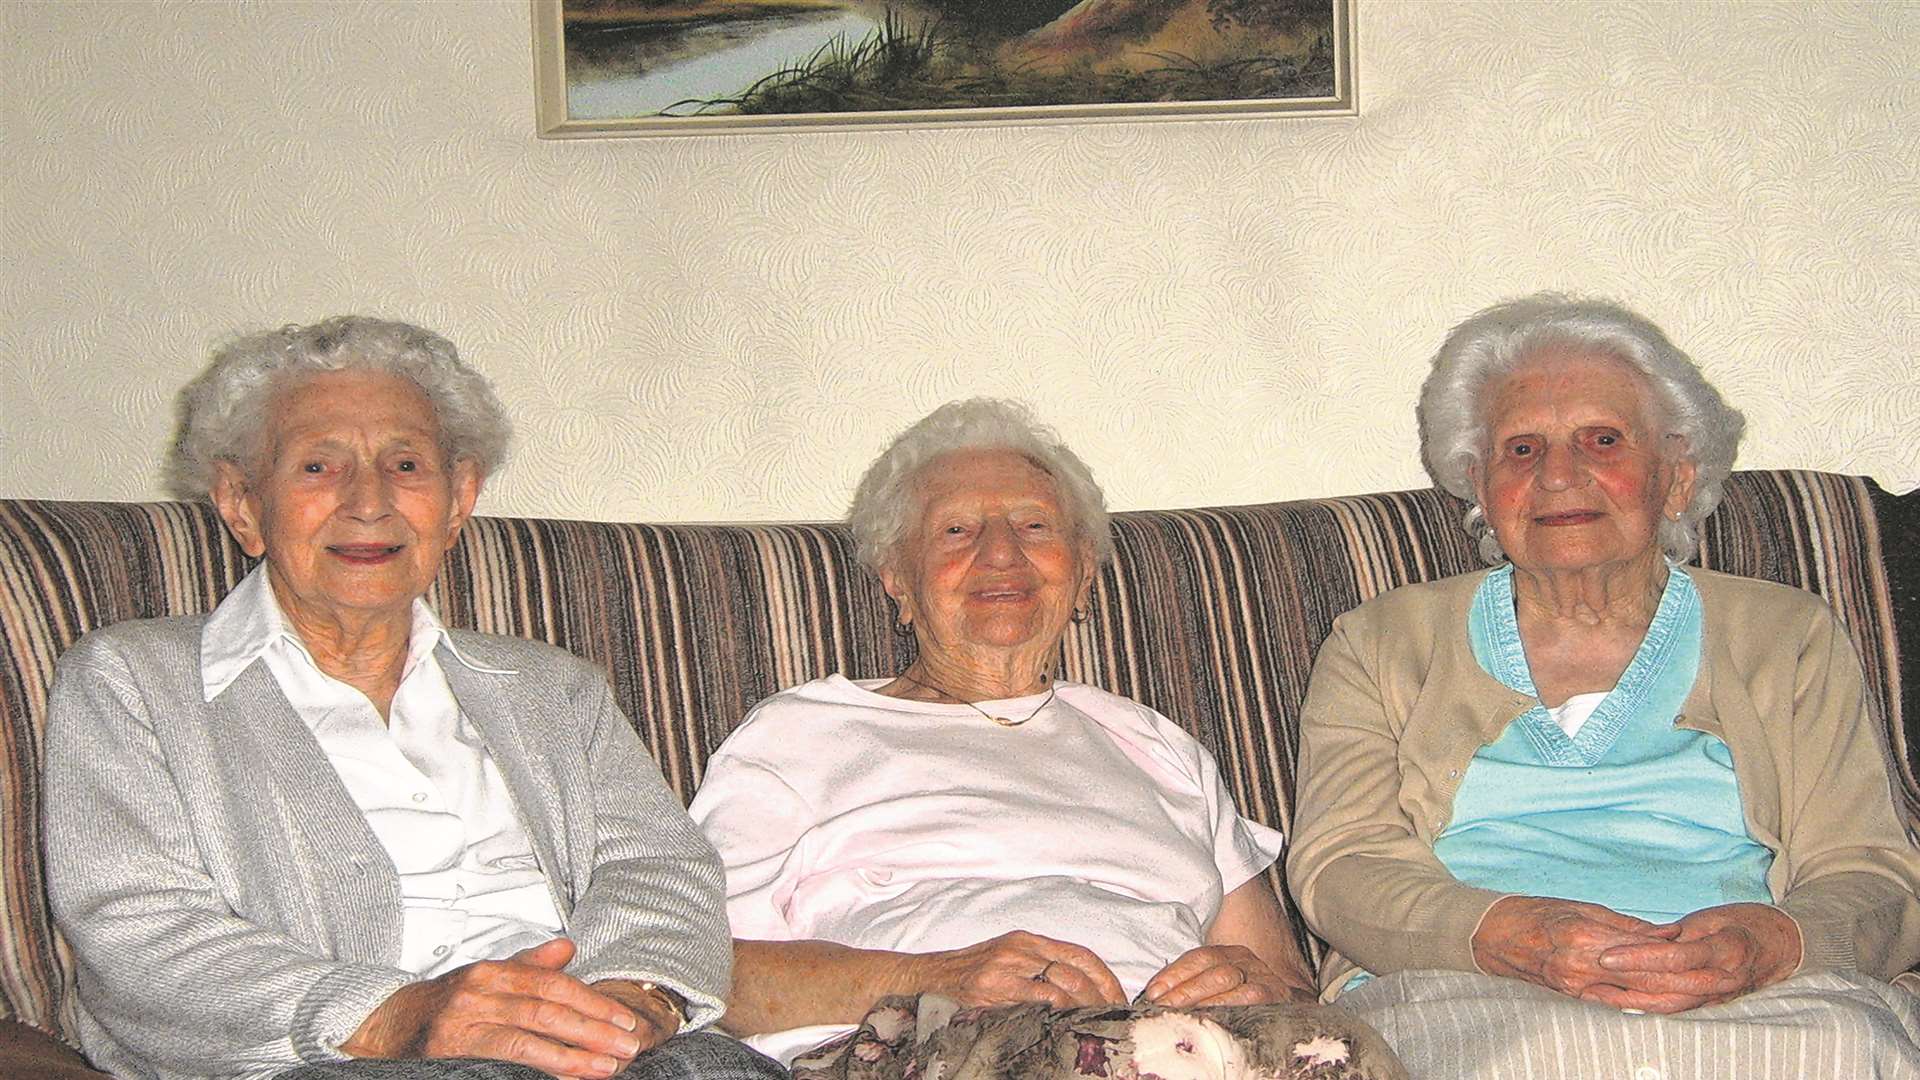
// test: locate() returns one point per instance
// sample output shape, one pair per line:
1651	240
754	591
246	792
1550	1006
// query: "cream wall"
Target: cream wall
729	327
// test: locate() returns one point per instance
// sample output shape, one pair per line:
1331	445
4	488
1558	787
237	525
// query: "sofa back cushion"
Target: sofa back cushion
1211	616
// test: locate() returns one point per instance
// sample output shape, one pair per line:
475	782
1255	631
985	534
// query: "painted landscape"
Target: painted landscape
645	58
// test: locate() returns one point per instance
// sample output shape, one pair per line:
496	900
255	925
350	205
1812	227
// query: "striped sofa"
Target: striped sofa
1211	616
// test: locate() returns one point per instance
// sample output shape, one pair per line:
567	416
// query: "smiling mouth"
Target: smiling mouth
1001	596
365	553
1569	517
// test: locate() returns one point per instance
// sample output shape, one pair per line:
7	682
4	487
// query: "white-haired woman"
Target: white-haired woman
974	827
316	832
1590	782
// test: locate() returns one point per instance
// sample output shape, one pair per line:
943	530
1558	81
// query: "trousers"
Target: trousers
700	1055
1450	1025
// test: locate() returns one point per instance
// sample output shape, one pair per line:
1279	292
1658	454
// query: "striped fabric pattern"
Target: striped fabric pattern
1212	616
1824	1026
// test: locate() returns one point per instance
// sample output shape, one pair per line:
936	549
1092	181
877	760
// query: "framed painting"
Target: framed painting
664	67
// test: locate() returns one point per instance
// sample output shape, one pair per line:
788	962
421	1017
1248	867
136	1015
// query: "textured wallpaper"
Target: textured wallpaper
707	328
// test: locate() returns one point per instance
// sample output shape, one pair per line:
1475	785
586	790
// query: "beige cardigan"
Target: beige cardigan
1398	706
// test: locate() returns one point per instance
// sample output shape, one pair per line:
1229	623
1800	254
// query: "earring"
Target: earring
904	629
1081	614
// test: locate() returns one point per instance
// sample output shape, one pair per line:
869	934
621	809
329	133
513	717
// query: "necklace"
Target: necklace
1001	720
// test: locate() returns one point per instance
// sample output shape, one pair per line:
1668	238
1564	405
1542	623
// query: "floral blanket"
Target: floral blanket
930	1037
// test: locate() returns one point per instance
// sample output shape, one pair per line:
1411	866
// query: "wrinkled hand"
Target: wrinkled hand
1717	954
1222	975
1558	944
524	1009
1013	968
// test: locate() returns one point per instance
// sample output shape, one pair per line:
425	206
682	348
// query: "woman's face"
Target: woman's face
993	563
1577	474
351	499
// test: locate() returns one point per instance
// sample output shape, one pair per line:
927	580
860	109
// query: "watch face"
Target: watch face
674	1002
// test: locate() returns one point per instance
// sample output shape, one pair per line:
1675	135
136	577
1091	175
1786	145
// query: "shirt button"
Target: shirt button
419	796
440	951
1647	1072
1453	774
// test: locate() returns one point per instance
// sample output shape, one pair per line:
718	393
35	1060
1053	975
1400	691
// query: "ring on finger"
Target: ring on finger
1042	976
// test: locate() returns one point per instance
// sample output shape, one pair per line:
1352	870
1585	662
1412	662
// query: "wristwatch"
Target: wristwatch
674	1002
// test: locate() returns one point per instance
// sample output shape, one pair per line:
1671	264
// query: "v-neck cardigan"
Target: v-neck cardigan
231	912
1397	707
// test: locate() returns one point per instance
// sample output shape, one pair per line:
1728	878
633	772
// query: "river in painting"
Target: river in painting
645	68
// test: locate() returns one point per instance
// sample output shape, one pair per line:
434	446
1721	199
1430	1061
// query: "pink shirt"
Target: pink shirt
847	816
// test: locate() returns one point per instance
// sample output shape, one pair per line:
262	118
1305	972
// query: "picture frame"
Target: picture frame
662	67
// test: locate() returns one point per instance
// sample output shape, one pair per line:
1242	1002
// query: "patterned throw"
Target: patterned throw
1211	616
929	1037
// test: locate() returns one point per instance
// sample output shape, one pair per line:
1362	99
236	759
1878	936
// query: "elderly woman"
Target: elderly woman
974	827
1591	783
318	828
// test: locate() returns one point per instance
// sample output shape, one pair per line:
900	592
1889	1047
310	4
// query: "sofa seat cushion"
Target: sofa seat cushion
29	1052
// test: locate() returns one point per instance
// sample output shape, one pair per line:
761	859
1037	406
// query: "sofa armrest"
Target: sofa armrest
28	1051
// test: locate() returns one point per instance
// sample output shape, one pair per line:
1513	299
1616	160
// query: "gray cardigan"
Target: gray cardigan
232	914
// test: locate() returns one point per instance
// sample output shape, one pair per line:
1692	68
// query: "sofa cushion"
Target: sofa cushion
30	1054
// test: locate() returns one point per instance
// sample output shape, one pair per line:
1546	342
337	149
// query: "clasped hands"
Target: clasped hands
1020	967
1596	954
524	1009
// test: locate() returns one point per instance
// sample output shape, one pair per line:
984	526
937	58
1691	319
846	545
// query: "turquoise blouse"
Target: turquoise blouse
1631	812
